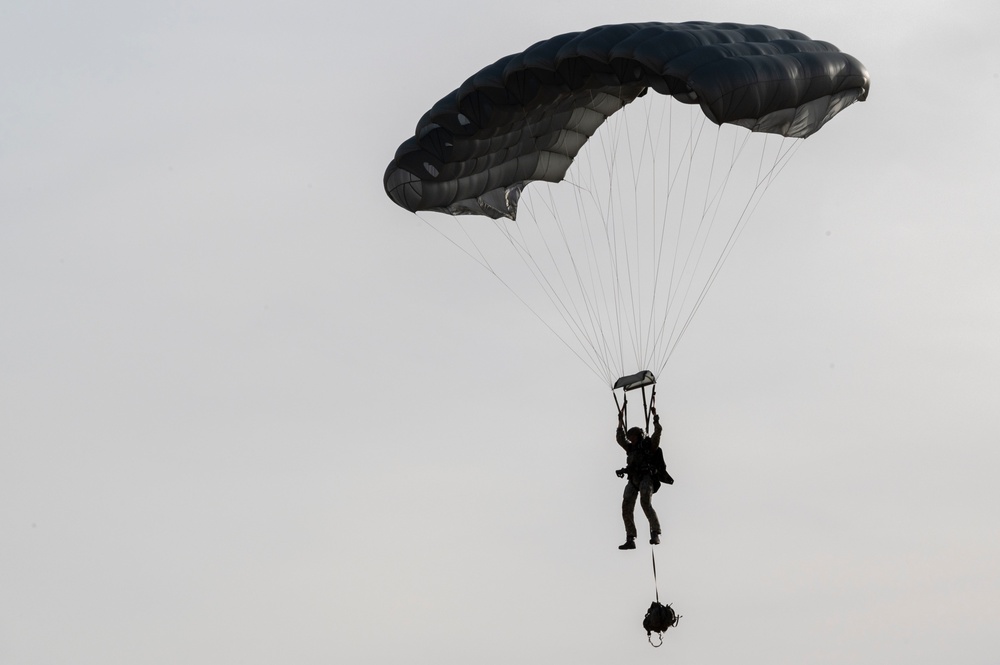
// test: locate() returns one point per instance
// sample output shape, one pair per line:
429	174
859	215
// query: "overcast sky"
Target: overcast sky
253	412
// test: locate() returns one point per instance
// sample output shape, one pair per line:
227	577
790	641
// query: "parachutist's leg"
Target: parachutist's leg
646	501
628	508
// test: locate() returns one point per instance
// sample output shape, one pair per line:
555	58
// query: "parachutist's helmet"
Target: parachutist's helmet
635	434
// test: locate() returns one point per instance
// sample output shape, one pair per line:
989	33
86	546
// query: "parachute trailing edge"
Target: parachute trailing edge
525	117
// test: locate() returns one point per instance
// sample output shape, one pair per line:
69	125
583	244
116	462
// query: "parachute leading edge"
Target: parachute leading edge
525	117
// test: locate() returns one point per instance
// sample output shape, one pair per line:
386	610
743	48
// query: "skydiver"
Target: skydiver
645	470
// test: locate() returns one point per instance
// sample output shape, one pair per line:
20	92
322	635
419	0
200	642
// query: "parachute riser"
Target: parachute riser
647	410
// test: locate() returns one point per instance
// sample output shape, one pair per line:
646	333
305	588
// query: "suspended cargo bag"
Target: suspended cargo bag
658	619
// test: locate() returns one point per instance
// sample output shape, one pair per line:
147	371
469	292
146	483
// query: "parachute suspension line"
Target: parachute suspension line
630	232
668	111
574	324
607	307
592	338
676	335
648	142
614	307
658	247
785	156
614	221
595	338
652	143
615	247
676	277
482	261
596	300
636	231
626	239
606	286
708	214
683	172
605	209
610	285
588	296
695	142
642	148
610	303
540	274
763	182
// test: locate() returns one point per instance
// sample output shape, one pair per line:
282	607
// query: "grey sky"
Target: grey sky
251	411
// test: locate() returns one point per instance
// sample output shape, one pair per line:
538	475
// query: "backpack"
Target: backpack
659	467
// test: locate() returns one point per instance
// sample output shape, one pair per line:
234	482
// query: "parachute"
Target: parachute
616	274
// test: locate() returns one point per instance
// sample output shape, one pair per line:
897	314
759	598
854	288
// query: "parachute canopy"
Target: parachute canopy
638	199
525	117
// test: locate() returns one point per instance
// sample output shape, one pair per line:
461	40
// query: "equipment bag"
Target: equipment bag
658	619
660	468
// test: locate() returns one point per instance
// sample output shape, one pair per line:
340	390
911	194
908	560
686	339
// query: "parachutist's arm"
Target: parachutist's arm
657	429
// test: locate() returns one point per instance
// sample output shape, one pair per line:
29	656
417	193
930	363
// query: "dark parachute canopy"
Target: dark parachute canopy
617	257
525	117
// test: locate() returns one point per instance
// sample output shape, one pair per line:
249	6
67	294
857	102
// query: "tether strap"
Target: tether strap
655	586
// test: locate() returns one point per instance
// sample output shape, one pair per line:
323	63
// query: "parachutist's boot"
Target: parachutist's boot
654	538
629	544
